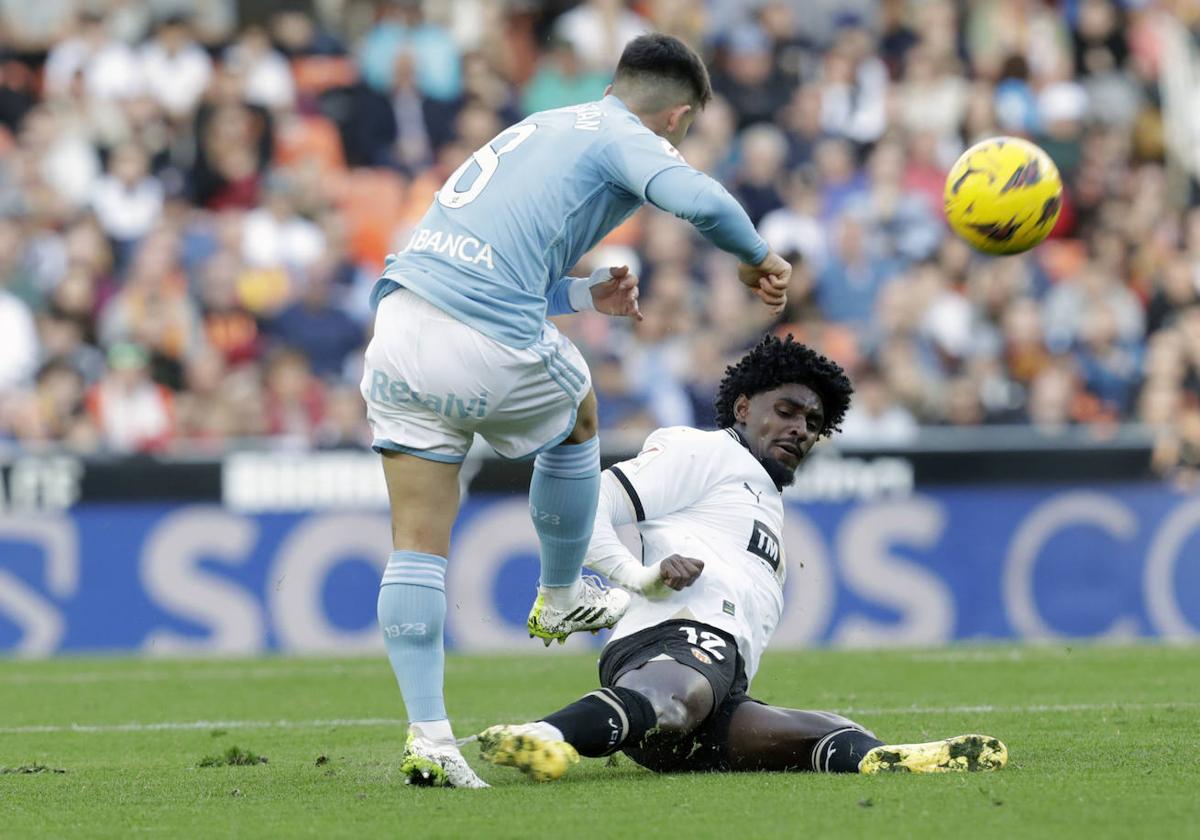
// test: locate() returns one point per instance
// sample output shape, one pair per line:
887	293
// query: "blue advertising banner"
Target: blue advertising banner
1117	561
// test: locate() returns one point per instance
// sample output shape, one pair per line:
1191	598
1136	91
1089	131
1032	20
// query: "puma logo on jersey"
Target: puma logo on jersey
764	544
757	494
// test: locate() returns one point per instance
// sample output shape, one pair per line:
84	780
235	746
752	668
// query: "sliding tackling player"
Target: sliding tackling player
676	672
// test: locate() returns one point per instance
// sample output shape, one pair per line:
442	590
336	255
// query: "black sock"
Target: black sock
599	723
841	751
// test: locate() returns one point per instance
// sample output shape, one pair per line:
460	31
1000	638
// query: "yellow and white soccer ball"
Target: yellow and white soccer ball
1003	195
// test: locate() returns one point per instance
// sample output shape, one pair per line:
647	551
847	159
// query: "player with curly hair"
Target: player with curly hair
709	593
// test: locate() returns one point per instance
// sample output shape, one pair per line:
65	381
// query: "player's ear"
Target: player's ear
741	408
608	90
676	115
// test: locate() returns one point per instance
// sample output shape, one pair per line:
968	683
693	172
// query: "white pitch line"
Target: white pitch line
1031	709
198	674
175	726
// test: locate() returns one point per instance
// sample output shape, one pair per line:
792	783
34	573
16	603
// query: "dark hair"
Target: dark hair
664	57
774	362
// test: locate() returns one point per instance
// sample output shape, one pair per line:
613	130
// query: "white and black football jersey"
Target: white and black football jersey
702	494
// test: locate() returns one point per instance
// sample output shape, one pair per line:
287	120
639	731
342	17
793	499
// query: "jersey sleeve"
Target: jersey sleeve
672	472
558	297
632	160
694	197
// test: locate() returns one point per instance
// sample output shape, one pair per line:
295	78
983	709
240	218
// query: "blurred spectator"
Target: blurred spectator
275	235
797	227
154	310
801	117
1109	367
874	418
297	34
53	413
175	68
343	426
107	66
748	78
230	329
127	201
17	92
756	185
1051	398
234	142
657	363
366	121
266	78
1178	288
599	30
962	405
64	340
131	411
36	27
295	400
66	163
413	118
854	86
620	406
852	277
933	97
18	341
315	326
562	80
401	30
900	223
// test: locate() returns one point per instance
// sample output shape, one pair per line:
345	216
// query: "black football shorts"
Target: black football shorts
711	652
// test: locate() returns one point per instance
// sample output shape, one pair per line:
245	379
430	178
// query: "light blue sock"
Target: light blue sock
412	612
562	501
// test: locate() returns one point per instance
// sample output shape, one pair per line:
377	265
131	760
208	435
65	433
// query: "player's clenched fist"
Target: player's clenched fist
769	280
679	572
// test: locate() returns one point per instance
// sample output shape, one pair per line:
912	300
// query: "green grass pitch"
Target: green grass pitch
1104	742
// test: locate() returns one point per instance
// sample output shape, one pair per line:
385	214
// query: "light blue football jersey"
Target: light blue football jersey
520	212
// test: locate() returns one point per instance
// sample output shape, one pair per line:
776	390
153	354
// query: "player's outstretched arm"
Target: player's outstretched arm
693	196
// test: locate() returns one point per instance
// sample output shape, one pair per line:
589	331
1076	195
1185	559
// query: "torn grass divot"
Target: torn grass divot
233	757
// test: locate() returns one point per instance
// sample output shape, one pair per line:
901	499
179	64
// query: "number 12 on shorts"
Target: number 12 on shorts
705	639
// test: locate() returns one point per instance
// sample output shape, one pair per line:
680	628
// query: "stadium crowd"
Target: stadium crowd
196	198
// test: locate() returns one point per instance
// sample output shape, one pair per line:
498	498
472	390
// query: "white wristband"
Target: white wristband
579	294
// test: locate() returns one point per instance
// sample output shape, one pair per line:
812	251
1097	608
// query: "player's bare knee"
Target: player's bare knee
673	715
676	713
587	421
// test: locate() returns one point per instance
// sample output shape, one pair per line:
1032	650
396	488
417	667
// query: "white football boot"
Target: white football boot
596	608
435	763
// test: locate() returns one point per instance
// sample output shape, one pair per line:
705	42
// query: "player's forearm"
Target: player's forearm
606	553
693	196
574	294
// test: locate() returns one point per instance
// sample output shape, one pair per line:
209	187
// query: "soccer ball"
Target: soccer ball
1003	195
